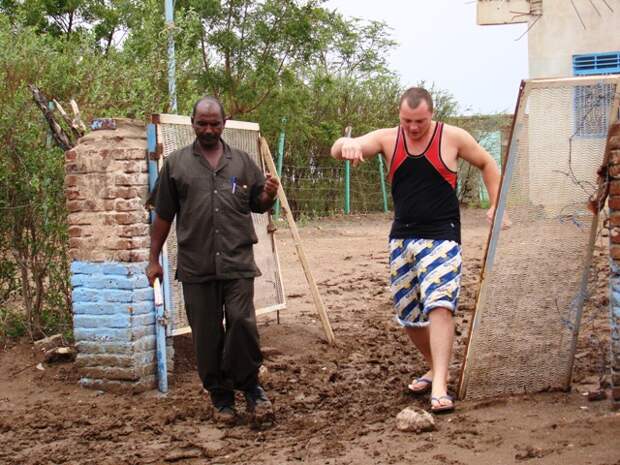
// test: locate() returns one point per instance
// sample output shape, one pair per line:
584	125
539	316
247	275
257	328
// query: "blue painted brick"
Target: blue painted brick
142	295
141	308
100	308
118	320
615	267
139	281
143	320
85	267
102	334
102	281
117	282
143	330
82	294
114	268
116	295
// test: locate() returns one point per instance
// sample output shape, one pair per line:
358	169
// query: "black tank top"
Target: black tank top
424	192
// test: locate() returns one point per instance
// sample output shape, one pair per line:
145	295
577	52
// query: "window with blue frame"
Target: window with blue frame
592	103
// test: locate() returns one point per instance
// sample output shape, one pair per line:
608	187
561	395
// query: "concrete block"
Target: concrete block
146	343
118	373
105	360
145	358
143	344
95	348
120	387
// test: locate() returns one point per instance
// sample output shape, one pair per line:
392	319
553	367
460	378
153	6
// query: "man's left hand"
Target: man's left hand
506	223
271	186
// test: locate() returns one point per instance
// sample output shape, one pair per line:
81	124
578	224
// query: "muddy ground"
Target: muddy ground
334	405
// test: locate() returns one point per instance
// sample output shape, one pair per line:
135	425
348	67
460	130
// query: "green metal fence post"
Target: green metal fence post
347	187
279	163
382	178
347	178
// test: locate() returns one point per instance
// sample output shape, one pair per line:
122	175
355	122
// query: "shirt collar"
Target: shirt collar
227	152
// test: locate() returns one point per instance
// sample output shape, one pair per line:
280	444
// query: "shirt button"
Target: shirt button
217	253
217	209
217	230
215	191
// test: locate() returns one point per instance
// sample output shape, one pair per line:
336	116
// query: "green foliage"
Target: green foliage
265	60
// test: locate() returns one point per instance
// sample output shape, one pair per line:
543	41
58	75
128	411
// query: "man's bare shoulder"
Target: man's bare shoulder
450	130
387	133
454	135
386	137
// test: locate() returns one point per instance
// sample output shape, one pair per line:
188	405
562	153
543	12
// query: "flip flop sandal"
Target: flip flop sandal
423	390
439	408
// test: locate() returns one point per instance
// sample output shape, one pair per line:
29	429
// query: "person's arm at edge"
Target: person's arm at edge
159	233
472	152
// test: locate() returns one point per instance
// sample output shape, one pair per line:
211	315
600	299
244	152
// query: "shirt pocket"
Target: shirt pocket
236	196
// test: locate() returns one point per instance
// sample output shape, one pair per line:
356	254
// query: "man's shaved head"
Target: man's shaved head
209	100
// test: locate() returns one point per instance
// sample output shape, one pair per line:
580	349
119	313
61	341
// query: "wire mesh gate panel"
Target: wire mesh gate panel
174	132
524	329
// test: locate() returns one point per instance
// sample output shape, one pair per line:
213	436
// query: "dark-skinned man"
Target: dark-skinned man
212	189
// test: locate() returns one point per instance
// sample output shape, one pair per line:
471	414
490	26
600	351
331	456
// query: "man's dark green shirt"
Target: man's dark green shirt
215	233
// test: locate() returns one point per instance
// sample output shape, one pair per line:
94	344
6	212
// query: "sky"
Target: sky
440	42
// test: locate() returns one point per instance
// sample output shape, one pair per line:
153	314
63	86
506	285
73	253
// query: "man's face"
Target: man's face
415	121
208	124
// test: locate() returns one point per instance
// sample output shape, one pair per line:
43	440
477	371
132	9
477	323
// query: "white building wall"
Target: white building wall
559	34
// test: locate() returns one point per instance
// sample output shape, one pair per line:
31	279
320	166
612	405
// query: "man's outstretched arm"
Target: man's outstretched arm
356	149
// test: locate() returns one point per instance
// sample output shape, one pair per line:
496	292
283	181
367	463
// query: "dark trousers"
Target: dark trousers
228	355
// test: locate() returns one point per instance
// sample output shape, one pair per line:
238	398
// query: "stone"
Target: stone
413	419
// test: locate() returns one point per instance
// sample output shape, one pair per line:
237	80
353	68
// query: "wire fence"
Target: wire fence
315	190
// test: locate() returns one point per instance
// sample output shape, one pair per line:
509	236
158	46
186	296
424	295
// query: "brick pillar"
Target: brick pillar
114	323
614	252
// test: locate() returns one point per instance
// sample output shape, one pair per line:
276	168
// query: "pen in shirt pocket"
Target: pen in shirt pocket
233	183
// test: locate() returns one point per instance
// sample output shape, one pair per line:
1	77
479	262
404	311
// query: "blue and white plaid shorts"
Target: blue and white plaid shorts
424	274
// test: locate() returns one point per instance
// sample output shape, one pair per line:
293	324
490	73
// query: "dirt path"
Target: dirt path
334	405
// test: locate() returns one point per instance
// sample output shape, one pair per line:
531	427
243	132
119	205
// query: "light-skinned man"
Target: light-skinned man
425	239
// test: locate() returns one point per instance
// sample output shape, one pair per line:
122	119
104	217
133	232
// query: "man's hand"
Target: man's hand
271	186
352	150
154	270
506	223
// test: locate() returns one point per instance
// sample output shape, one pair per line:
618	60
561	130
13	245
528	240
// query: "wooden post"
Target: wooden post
318	302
